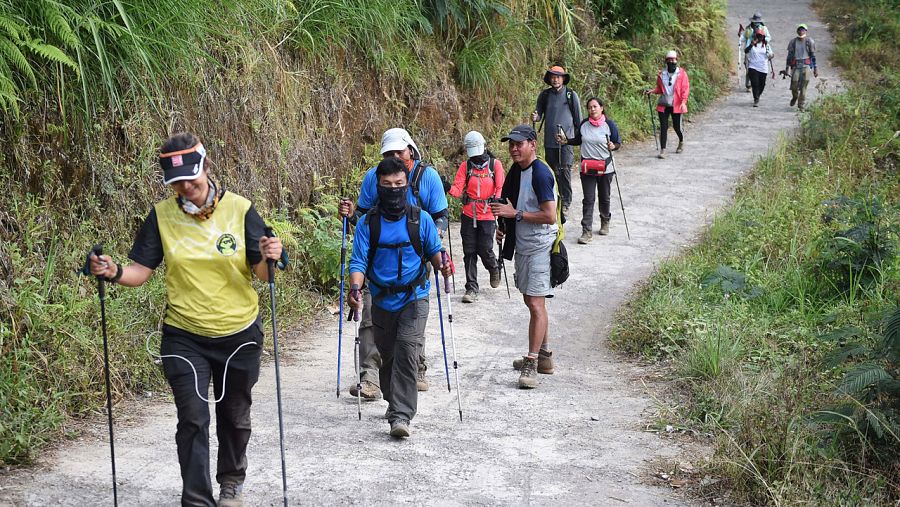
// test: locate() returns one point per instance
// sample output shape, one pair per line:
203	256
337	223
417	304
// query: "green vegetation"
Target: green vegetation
782	325
289	98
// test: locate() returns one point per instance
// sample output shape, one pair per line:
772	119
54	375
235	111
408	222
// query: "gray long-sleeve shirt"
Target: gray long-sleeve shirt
556	112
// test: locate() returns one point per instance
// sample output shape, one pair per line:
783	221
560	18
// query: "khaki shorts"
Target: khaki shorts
532	276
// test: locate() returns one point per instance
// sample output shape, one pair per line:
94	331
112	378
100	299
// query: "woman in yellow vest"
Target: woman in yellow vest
212	242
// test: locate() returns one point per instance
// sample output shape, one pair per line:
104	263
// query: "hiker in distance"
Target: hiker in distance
391	247
212	243
530	228
673	88
478	181
748	37
558	107
426	191
801	62
759	54
598	137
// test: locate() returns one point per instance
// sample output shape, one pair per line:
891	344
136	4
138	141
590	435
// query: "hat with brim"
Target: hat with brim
397	139
757	18
556	70
520	133
474	143
182	165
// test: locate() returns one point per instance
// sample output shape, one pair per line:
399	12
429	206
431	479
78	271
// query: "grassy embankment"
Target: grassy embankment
781	326
290	99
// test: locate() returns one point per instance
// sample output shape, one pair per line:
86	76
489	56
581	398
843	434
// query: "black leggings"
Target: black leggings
757	82
664	126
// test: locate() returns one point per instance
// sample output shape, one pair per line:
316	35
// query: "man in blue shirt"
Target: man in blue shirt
394	264
426	191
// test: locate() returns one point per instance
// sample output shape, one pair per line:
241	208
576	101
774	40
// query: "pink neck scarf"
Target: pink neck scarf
597	122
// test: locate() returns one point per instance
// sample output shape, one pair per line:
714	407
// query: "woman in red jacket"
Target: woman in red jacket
478	180
673	89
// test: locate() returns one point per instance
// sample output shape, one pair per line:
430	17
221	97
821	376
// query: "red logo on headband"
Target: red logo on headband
177	161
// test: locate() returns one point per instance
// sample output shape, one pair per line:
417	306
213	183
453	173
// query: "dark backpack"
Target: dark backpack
470	168
373	219
570	99
420	169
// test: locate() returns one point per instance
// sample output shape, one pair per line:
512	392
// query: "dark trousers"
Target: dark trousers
592	185
369	357
399	337
664	126
208	355
757	82
477	242
562	168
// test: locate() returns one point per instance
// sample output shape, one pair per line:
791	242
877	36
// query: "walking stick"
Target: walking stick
446	260
270	263
450	242
616	177
341	302
653	121
502	265
437	287
101	291
354	316
740	58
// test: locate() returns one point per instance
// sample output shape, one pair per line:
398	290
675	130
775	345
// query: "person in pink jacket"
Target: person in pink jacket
673	89
478	182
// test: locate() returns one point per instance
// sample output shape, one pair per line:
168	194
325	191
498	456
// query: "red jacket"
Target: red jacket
681	91
481	188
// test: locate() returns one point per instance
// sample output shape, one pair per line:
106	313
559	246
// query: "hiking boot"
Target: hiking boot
528	373
470	297
604	226
680	147
793	101
662	153
369	392
230	495
585	238
545	362
495	278
756	103
399	428
421	381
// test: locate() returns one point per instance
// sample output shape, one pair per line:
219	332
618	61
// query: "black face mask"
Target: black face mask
671	66
392	201
479	159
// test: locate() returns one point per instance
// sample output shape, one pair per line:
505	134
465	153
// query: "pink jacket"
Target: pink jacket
681	91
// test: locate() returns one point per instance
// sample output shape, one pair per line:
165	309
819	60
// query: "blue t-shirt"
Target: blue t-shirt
384	270
431	191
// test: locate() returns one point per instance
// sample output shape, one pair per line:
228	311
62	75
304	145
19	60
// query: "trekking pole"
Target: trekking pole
452	339
101	292
450	242
437	287
740	58
616	177
341	302
653	121
503	266
354	316
271	267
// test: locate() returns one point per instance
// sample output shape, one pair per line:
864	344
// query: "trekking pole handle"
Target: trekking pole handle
445	259
353	314
282	261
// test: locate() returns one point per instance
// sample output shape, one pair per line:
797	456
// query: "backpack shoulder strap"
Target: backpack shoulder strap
491	172
373	220
417	179
413	216
572	105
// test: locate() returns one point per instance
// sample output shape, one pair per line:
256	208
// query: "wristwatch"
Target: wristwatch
519	215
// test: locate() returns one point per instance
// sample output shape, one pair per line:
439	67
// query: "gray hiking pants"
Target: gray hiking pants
560	160
399	337
370	359
799	79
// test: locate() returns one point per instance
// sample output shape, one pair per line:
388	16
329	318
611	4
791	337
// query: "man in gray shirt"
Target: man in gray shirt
801	59
559	106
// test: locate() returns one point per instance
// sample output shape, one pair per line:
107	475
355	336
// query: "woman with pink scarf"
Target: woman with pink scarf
598	137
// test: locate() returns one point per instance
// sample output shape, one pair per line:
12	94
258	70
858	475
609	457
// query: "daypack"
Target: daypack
559	258
417	178
570	99
373	219
470	168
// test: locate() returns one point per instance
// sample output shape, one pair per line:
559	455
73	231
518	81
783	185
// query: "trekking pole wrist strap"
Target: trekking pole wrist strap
117	276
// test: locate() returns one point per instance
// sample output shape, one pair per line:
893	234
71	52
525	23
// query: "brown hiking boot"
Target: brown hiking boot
604	226
230	495
528	373
585	238
470	297
495	278
545	362
369	392
421	381
680	147
400	428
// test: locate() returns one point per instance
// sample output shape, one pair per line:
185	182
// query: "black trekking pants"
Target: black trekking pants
664	126
757	82
477	242
560	160
399	337
208	355
592	185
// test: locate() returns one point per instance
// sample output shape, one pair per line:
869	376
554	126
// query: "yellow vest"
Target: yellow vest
208	290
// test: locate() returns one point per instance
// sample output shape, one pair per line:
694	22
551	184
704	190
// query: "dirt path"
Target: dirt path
514	447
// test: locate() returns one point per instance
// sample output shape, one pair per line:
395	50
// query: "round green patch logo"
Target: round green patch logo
226	245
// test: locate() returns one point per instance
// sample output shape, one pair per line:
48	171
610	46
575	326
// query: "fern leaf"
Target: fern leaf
12	29
52	53
861	377
9	99
55	14
841	354
14	55
874	423
892	332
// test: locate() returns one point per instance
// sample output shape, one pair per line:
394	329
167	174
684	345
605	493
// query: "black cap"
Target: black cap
520	133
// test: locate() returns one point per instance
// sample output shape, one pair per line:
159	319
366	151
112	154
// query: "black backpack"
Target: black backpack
373	219
570	99
417	179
